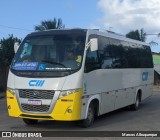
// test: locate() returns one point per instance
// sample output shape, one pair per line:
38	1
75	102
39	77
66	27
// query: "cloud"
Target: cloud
93	26
126	15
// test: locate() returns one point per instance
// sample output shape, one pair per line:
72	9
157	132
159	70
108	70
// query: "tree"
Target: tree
50	24
137	35
142	35
7	49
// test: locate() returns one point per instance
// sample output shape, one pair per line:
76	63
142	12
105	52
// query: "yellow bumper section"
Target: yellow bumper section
67	108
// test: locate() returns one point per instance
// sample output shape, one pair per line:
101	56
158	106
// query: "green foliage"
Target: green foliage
50	24
137	35
156	59
7	49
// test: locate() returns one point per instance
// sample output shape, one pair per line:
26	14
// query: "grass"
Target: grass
156	59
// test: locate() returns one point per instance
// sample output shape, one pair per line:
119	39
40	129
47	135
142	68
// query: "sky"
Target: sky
19	17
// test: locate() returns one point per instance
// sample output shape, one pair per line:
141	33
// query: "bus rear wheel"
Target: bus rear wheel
90	117
136	105
30	121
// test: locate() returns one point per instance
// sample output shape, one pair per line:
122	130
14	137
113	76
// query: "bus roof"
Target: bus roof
90	31
52	31
115	36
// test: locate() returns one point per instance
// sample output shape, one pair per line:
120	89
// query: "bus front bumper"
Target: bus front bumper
67	108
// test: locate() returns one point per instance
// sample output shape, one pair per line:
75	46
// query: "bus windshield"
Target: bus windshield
59	52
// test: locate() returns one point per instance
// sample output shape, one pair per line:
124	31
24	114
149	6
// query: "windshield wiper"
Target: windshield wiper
51	62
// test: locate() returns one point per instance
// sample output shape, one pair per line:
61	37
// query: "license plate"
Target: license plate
34	102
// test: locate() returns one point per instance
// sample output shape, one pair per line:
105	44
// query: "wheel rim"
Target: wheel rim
90	115
137	102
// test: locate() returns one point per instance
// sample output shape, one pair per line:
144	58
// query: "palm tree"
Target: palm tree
142	35
137	35
50	24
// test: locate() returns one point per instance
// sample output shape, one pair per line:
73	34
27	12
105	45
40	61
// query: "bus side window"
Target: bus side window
107	60
145	56
117	52
92	61
105	52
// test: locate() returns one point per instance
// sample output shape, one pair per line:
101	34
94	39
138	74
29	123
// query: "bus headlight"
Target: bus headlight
12	91
67	92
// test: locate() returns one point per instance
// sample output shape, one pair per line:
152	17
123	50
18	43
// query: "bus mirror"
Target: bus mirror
16	46
94	44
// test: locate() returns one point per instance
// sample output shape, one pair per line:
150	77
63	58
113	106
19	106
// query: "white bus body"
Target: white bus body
100	83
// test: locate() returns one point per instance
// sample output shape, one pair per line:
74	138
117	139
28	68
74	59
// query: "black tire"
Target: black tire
30	121
90	117
136	105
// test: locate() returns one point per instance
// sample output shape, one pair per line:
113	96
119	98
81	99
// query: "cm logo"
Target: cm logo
36	83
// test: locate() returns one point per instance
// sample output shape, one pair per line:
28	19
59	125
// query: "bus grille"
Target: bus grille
36	94
35	108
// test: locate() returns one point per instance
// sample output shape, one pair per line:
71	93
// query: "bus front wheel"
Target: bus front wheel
90	117
30	121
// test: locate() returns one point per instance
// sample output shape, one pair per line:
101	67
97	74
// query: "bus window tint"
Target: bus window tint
117	53
105	52
92	61
132	56
145	57
114	53
124	54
